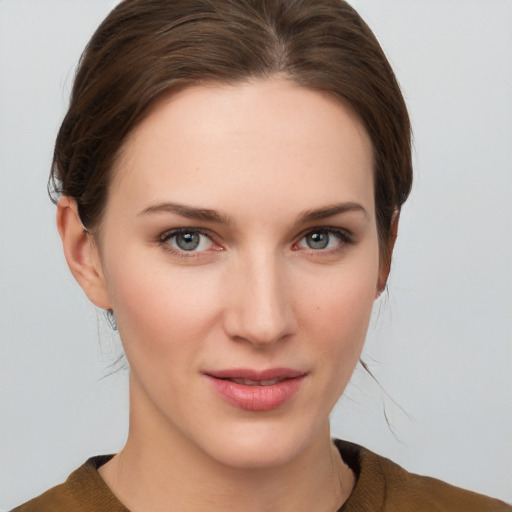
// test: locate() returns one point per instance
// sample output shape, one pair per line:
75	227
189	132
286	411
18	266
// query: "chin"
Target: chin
259	446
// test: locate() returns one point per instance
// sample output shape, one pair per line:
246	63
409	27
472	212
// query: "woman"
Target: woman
231	176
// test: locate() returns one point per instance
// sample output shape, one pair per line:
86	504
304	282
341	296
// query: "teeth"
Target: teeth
247	382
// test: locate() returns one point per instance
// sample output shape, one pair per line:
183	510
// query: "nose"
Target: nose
259	308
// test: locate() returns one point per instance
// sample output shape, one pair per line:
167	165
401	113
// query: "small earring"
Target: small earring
111	319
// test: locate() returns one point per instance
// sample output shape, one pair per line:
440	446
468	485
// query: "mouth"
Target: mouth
254	390
248	382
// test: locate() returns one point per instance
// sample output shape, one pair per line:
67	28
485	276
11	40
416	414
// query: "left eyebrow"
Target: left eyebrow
329	211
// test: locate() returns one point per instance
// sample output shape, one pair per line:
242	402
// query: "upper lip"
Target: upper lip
256	375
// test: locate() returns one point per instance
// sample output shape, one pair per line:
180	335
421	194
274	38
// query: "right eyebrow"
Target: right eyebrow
189	212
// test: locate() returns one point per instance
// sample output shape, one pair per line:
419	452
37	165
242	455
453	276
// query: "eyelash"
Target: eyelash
164	239
344	236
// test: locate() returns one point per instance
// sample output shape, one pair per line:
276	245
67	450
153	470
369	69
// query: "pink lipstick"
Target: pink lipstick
256	390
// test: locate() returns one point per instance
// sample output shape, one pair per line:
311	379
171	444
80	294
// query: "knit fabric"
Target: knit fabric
382	486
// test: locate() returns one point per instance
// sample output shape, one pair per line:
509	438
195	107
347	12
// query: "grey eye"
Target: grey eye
318	240
188	241
321	239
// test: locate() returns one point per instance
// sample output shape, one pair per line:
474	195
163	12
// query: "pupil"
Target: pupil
187	241
318	240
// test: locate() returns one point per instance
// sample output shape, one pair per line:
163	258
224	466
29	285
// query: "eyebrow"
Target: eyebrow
330	211
208	215
189	212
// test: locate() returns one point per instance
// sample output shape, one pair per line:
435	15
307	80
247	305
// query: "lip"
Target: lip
256	397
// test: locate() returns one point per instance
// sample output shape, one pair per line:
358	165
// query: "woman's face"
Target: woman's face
239	253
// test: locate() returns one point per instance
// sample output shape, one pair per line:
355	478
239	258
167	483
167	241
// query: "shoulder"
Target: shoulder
83	491
434	493
56	499
384	485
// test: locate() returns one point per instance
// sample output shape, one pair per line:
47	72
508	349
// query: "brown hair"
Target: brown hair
147	48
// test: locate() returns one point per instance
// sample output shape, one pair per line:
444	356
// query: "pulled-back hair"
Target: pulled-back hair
145	49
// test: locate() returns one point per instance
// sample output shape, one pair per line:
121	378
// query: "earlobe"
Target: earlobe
81	253
385	263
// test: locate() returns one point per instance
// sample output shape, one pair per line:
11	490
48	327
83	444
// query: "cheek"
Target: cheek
165	310
342	320
158	307
342	297
339	315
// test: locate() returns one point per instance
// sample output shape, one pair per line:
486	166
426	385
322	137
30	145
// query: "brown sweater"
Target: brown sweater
381	486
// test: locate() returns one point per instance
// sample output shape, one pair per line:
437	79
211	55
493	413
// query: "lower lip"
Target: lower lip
257	398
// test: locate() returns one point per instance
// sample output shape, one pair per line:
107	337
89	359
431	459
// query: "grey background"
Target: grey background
440	342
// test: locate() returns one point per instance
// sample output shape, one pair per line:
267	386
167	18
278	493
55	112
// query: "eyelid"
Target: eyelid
166	235
170	233
345	236
342	232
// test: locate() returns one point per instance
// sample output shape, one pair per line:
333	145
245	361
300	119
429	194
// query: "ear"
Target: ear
385	263
81	253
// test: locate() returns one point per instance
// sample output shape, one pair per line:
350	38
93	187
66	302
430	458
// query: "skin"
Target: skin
253	294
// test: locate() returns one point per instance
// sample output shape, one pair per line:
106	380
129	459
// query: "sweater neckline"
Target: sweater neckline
368	493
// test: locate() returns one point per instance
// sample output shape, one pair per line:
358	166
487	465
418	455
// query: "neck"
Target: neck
160	470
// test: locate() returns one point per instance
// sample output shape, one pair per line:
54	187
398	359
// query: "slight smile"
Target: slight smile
254	390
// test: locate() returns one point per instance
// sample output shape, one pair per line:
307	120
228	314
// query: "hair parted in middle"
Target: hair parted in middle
146	49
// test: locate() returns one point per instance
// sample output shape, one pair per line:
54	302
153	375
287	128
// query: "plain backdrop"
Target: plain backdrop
440	343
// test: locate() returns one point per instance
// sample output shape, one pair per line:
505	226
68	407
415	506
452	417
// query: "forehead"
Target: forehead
267	141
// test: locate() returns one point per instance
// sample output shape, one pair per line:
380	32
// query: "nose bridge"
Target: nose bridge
260	310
